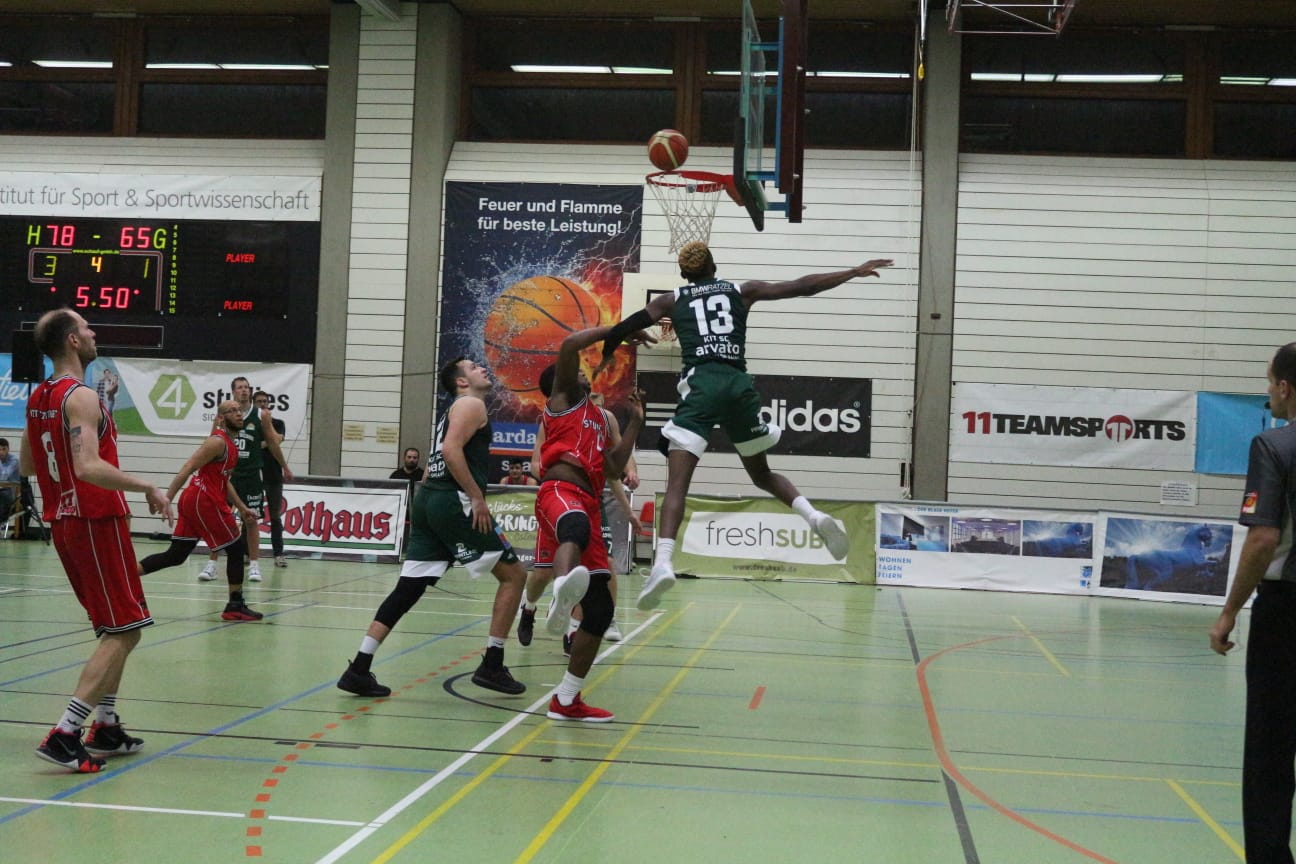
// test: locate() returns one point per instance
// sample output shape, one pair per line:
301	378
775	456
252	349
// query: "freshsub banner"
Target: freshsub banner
1073	426
748	538
940	546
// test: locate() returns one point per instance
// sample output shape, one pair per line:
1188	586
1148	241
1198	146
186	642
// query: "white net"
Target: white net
689	201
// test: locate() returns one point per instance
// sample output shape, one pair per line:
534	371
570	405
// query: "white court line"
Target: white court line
176	812
445	773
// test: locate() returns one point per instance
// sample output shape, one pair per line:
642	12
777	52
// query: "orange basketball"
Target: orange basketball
526	325
667	149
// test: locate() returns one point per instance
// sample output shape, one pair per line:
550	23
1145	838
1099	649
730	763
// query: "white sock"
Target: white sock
573	624
494	642
529	605
369	645
665	552
569	689
804	509
75	715
106	710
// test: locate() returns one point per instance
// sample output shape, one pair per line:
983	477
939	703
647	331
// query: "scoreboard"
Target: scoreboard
187	289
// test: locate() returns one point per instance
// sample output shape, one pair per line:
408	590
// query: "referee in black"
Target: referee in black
1268	567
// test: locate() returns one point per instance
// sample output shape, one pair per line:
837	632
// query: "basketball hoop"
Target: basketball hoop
688	198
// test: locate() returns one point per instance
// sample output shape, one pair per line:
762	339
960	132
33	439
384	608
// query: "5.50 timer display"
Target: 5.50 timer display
202	282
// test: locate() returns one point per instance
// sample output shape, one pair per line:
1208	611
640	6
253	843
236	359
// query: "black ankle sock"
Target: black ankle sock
494	658
361	662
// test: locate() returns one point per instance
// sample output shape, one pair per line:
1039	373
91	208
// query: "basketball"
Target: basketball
667	149
526	325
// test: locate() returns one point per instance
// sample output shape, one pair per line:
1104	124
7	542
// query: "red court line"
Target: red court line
938	742
756	699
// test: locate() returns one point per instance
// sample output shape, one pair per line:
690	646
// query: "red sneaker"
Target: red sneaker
577	710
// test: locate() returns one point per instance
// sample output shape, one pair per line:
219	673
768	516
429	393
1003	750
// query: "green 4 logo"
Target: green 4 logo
172	397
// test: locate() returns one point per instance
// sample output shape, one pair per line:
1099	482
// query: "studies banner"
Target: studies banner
179	397
1073	426
940	546
748	538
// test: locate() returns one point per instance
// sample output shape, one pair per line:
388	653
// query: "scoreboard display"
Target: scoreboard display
190	289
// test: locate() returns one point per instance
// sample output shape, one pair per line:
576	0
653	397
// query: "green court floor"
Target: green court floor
756	722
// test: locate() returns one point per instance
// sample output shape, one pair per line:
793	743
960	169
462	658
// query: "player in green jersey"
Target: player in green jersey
710	317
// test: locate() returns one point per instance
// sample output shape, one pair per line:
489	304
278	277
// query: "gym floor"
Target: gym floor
756	722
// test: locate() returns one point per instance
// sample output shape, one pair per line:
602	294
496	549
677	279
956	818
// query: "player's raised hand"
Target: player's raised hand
870	268
636	400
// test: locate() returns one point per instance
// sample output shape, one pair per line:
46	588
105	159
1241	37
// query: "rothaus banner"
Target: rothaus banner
1073	426
337	517
747	538
819	416
177	196
179	397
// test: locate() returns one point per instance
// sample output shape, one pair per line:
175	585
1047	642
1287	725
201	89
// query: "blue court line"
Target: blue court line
145	760
144	646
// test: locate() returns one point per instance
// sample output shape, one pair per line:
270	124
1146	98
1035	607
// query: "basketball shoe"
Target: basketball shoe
567	592
109	738
660	580
66	749
254	572
494	675
577	710
613	633
362	684
832	534
526	626
237	610
208	573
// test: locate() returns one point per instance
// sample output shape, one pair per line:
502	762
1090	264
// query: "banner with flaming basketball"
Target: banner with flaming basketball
525	265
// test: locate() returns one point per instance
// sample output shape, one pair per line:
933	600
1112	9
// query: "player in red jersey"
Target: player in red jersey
574	459
204	509
82	490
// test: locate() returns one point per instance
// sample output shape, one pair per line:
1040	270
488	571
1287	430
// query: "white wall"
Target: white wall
859	206
380	213
1128	273
158	458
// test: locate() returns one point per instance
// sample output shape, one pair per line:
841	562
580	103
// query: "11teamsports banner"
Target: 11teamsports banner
526	264
1073	426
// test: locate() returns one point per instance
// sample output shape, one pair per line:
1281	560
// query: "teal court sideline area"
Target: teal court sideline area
756	722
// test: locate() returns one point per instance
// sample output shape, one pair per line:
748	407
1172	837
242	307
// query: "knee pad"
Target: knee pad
574	527
597	606
402	599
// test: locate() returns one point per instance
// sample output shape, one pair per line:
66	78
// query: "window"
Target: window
258	77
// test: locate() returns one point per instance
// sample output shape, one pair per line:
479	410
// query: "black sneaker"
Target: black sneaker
66	749
239	611
105	739
526	626
361	684
567	640
497	678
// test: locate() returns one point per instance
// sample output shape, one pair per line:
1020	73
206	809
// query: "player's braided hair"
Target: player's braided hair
693	259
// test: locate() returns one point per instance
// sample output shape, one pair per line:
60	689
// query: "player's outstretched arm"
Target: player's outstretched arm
810	285
567	368
209	451
83	416
656	309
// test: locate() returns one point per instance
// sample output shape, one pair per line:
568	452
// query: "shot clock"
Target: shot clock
194	283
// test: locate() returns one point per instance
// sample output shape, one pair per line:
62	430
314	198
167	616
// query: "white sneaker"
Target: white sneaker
281	561
613	633
208	573
832	534
567	592
254	572
659	581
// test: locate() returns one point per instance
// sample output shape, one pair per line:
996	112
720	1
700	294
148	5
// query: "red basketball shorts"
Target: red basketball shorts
201	517
555	499
100	563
